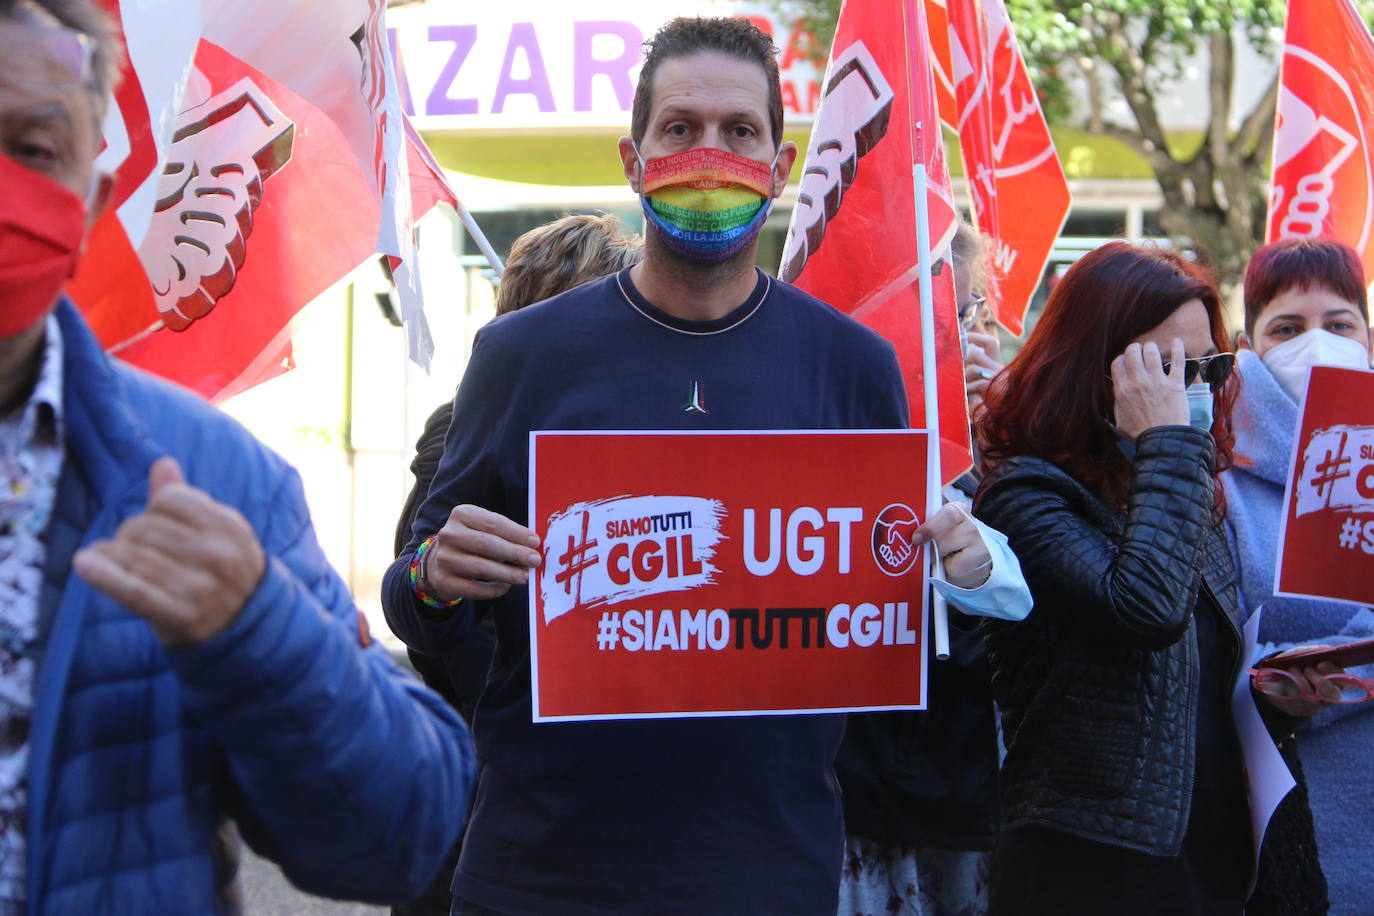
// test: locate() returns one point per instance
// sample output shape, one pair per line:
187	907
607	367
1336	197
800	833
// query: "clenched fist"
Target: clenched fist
186	564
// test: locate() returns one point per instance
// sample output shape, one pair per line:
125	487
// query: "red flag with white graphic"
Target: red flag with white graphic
852	240
255	167
1017	188
1322	183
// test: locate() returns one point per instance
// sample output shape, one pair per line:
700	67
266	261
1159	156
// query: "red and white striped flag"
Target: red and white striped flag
260	155
852	240
1017	187
1323	182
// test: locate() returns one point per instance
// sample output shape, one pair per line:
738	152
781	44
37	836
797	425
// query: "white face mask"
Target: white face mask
1290	360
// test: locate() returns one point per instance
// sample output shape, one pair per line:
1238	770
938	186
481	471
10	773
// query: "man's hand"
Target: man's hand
478	554
966	561
186	564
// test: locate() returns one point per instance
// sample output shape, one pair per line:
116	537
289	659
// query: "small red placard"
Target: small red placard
1326	548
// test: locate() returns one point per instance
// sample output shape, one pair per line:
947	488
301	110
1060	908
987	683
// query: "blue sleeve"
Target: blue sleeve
348	773
886	405
466	475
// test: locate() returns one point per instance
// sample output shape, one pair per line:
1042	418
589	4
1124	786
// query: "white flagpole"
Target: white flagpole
470	225
939	610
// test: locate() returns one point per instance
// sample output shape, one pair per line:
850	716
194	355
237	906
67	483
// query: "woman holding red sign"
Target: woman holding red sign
1305	305
1123	784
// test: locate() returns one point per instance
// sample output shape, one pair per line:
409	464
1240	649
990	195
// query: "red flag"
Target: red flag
254	169
852	240
1322	184
1016	185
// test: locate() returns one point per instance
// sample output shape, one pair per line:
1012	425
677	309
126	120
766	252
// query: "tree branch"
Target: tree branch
1133	75
1256	132
1220	73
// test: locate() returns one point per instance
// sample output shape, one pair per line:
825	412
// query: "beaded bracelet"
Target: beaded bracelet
416	564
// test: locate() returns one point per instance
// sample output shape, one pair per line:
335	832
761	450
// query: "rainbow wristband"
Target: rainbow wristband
416	562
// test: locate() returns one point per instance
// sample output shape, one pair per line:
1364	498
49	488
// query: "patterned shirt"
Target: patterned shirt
30	464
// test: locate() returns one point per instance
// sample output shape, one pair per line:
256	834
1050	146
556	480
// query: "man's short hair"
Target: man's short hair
88	19
686	36
562	254
1303	264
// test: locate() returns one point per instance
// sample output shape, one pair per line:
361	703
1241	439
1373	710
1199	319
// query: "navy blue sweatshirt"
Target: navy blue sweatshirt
690	816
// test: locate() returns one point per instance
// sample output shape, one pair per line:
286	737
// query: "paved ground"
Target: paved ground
266	892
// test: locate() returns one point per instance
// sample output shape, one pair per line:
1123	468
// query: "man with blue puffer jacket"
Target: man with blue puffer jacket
175	651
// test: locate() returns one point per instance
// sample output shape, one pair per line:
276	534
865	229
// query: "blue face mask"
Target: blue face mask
1200	406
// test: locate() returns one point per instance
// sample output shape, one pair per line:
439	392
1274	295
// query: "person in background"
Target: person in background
977	323
176	655
1305	305
1123	787
543	262
920	788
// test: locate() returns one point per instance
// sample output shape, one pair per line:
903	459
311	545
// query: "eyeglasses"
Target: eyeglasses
1333	688
969	311
1214	369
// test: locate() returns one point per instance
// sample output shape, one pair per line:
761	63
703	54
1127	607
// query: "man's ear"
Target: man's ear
102	187
787	157
630	162
1243	341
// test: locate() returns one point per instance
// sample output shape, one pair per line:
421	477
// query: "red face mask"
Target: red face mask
41	227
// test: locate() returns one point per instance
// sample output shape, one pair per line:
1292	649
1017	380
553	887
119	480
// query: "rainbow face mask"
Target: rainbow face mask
706	203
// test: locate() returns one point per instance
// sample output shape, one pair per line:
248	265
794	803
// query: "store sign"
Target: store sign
462	69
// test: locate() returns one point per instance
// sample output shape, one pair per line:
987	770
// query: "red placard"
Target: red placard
726	573
1326	548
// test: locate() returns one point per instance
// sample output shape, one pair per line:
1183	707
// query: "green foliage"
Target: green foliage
818	17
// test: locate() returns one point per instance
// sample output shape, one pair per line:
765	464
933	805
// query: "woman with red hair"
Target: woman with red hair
1123	786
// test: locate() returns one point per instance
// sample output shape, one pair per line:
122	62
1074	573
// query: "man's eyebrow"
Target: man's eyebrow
674	110
40	114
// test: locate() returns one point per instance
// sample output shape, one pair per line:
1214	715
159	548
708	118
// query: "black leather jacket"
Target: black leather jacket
1098	686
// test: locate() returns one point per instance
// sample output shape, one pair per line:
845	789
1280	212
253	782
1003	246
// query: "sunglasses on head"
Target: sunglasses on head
1213	369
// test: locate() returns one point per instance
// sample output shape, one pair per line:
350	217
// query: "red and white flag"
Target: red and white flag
260	155
852	240
1017	188
1322	185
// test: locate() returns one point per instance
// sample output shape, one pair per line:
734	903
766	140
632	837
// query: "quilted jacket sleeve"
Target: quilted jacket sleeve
1138	591
350	774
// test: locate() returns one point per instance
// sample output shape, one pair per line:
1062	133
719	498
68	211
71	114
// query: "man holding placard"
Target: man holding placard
690	813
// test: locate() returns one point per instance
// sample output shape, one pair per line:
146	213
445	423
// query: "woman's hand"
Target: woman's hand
980	365
1146	397
1310	694
963	554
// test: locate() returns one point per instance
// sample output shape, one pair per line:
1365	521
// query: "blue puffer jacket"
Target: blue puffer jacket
332	762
